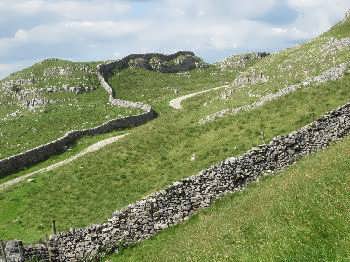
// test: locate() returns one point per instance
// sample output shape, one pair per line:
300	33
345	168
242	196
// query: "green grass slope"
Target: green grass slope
151	157
174	145
340	30
303	214
23	129
288	67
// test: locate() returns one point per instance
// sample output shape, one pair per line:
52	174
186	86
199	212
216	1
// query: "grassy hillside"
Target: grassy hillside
56	72
340	30
151	157
300	215
291	66
176	146
23	129
158	89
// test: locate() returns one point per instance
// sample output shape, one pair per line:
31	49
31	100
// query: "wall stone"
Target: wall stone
182	61
28	158
182	199
179	62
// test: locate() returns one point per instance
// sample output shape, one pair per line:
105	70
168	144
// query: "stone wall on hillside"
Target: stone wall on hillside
332	74
17	162
179	62
180	200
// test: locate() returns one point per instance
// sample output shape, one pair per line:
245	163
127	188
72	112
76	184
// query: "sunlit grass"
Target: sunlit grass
300	215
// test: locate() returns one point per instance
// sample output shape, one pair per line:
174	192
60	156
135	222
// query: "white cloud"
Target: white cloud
6	69
315	16
71	9
102	29
69	33
224	9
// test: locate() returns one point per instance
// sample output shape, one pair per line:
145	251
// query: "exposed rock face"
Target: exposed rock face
179	62
65	71
334	45
71	89
240	61
30	99
15	85
250	78
33	98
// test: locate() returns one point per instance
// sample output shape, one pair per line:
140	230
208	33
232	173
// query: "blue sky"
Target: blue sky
33	30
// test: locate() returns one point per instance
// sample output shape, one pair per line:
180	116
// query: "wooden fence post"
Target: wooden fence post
54	227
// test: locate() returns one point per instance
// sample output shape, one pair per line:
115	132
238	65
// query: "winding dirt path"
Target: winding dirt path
93	148
176	103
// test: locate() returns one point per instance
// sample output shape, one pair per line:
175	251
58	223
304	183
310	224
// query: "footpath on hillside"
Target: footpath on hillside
91	149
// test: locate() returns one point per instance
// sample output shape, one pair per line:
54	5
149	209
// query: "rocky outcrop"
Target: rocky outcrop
27	98
179	62
334	45
65	88
182	199
241	61
30	86
31	99
250	78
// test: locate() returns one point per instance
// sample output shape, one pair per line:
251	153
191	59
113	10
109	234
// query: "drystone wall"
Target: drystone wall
177	202
17	162
179	62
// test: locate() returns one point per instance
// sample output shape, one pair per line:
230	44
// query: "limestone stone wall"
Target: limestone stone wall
186	61
180	200
43	152
174	63
28	158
